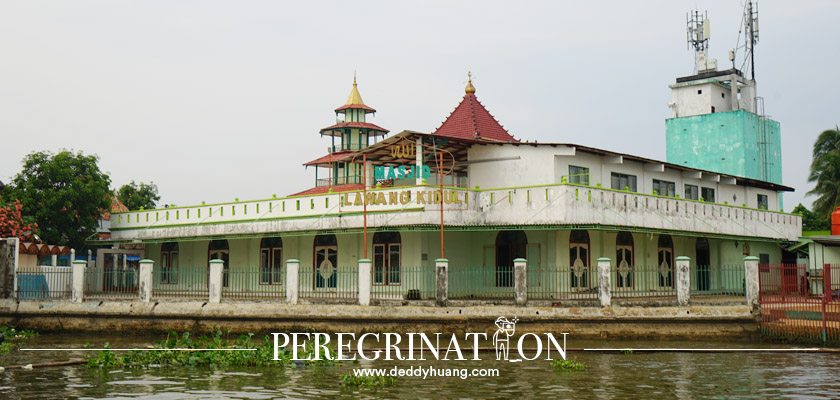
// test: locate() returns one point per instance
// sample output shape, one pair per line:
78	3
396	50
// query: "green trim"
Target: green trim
344	214
217	262
85	262
293	260
519	260
751	258
604	259
147	261
441	260
476	191
683	258
436	228
364	260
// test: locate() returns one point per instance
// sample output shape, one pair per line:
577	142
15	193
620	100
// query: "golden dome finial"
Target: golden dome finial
355	97
470	88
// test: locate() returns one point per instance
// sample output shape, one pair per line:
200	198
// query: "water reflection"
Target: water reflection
608	376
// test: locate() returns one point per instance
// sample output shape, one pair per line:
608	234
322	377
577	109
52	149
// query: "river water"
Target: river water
608	376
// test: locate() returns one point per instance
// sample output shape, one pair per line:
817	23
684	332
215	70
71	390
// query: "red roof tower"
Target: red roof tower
471	120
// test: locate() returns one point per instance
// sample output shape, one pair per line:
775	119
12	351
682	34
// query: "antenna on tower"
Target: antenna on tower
698	33
751	34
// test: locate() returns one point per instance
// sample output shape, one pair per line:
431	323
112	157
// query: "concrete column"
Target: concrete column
364	282
418	161
292	279
442	281
54	260
77	293
147	268
72	256
520	280
751	278
604	282
683	280
217	268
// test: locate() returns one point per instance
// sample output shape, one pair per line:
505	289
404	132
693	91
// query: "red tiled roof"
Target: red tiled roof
363	125
356	106
329	158
471	120
116	206
326	189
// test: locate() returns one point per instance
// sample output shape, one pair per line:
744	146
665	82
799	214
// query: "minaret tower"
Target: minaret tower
350	134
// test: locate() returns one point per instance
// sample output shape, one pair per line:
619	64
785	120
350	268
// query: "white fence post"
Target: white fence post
292	280
604	282
751	280
683	280
77	292
364	282
145	280
216	271
441	282
520	281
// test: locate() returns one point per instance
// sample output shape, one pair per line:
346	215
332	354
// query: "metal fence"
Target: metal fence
636	281
101	283
718	280
44	282
254	284
403	283
562	282
329	282
481	283
800	304
184	282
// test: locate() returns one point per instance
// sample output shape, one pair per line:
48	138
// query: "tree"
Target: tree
66	194
825	171
811	221
14	224
136	196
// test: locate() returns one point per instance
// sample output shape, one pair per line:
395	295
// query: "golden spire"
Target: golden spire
355	97
470	88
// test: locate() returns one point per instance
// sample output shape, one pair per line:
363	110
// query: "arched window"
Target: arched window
386	258
666	261
169	263
326	262
703	259
510	245
271	261
579	259
218	250
624	259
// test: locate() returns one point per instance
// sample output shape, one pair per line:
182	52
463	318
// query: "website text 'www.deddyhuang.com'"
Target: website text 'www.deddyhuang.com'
427	372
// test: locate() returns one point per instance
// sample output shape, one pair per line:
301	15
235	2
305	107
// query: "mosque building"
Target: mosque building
472	193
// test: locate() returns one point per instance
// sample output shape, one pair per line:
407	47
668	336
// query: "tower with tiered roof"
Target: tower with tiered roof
350	134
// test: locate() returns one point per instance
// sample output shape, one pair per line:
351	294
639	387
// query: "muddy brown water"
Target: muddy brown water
608	376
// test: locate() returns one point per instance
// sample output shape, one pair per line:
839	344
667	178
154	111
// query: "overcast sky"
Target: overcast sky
214	100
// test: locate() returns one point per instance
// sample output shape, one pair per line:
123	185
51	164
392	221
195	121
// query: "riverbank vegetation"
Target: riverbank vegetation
568	365
216	349
13	336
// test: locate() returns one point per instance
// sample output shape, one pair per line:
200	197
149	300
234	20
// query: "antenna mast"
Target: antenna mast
751	34
698	32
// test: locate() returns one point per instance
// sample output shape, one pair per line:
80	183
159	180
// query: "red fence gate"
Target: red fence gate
798	303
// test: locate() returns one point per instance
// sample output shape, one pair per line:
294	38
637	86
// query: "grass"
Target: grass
367	382
13	337
568	365
261	355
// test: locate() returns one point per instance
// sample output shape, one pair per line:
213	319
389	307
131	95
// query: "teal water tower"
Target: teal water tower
718	122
